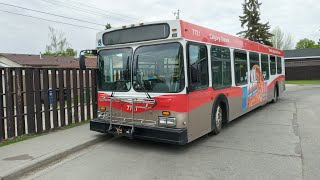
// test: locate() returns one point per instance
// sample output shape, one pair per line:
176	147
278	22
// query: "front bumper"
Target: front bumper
166	135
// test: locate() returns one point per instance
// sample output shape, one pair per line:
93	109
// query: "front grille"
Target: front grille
130	118
128	121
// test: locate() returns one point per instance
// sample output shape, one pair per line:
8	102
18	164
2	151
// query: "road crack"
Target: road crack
296	129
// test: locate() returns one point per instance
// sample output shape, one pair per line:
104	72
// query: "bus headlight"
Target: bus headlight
167	121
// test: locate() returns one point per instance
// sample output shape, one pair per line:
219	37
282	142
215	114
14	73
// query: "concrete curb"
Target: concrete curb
47	159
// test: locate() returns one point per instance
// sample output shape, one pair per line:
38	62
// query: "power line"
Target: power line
51	14
86	10
95	8
49	20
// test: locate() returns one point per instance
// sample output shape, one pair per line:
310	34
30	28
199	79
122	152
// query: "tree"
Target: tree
71	52
280	40
58	46
255	30
306	43
108	26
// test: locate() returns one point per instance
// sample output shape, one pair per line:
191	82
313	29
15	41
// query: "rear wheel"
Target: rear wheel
217	119
275	95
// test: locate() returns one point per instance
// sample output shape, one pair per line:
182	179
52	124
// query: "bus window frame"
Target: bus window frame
231	64
234	61
153	44
188	66
250	53
275	63
268	63
130	66
253	53
279	58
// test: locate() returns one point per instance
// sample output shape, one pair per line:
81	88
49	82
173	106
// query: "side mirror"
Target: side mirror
82	62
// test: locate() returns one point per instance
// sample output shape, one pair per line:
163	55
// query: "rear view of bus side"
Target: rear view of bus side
174	81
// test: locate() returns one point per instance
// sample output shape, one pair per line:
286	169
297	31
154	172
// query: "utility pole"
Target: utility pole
177	14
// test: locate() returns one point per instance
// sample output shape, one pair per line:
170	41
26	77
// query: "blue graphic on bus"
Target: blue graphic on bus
99	42
244	97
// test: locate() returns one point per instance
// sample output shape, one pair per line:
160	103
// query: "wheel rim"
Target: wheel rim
218	117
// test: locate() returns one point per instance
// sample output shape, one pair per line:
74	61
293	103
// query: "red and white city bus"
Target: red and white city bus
173	81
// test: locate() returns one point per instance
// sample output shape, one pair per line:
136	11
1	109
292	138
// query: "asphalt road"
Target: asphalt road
277	141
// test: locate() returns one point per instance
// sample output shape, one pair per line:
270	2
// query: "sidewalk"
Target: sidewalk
22	157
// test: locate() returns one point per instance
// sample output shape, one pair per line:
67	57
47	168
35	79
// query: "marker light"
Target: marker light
103	108
166	113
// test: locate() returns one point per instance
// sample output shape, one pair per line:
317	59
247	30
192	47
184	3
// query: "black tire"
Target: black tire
217	119
275	95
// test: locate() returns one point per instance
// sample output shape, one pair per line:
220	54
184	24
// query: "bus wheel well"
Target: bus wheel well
223	102
224	112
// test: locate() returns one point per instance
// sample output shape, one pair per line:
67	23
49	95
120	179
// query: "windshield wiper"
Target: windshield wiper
147	94
144	89
138	80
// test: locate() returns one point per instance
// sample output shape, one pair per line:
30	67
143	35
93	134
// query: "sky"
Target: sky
19	34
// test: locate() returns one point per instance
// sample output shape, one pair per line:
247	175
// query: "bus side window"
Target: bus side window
279	67
254	59
198	66
240	67
273	65
265	66
221	67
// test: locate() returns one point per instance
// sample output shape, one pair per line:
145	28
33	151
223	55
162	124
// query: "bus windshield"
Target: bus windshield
114	69
159	68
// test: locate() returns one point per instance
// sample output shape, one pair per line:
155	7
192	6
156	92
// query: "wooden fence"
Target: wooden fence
37	100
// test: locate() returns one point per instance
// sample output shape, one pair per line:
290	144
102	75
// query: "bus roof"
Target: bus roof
198	33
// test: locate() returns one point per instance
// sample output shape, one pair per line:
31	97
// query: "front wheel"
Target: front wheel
217	119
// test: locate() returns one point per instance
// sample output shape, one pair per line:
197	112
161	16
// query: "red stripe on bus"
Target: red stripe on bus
177	102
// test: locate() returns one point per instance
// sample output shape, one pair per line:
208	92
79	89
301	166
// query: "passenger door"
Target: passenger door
241	76
199	95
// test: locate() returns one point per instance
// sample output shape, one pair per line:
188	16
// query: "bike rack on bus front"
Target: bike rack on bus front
135	104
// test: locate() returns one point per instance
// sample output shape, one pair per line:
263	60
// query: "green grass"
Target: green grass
302	81
18	139
30	136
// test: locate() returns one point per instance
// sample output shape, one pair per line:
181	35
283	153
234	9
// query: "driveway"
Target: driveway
276	141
